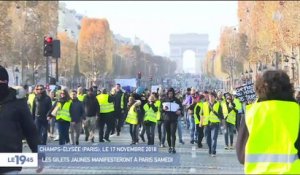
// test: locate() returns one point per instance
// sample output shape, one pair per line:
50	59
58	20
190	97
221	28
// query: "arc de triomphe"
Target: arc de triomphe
179	43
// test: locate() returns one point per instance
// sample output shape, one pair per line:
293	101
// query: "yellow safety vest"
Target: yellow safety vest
122	101
200	104
158	114
64	111
238	104
81	97
273	130
105	106
132	116
150	115
231	117
209	116
205	113
30	101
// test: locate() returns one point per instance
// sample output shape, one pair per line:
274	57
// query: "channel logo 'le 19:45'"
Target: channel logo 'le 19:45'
20	159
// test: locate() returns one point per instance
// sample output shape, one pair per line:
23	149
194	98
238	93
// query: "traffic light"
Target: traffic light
48	46
139	75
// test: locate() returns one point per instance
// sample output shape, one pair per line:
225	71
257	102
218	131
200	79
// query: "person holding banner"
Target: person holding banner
172	109
269	135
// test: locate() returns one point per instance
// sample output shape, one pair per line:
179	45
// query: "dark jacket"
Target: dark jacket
117	101
168	115
15	122
77	111
197	110
91	106
41	106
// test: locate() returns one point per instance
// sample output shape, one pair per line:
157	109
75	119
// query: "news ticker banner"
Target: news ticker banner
92	156
107	156
18	159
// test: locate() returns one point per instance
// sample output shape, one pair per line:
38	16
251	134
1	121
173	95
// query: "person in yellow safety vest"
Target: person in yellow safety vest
269	136
161	130
132	119
197	113
61	112
31	98
239	107
211	118
80	94
106	115
229	113
150	118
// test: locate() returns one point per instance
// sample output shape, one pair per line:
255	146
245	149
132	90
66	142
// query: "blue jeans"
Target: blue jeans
161	131
229	131
211	134
193	131
179	129
187	119
42	128
63	131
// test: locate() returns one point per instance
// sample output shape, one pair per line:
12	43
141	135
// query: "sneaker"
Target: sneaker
162	146
213	155
77	142
118	133
200	145
226	147
231	147
112	133
56	138
173	151
107	140
133	143
86	138
101	140
192	141
92	140
170	150
181	141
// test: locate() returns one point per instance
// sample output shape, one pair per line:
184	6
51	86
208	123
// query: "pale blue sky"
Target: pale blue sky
154	21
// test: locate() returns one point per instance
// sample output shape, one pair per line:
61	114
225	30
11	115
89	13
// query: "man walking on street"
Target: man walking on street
77	114
41	106
120	107
91	110
106	115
